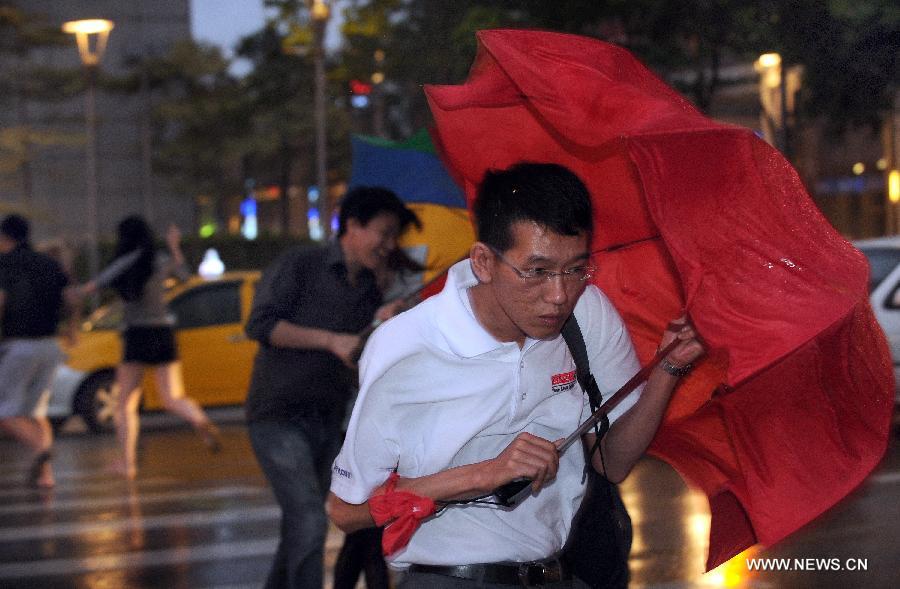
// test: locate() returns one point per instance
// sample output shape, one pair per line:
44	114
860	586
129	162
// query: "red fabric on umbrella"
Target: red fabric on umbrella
791	408
401	512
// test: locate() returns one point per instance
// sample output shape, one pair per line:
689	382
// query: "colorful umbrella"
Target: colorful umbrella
791	408
413	170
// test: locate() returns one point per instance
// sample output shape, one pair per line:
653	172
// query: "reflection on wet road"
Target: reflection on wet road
196	520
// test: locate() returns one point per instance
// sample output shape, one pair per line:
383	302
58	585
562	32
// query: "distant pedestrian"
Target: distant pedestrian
138	274
309	309
60	251
32	304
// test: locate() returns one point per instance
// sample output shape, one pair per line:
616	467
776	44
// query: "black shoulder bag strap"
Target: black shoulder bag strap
571	333
600	540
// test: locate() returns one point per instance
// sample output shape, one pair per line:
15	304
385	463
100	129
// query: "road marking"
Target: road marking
179	556
91	485
141	498
140	523
886	478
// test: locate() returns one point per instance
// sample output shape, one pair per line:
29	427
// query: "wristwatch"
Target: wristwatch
678	371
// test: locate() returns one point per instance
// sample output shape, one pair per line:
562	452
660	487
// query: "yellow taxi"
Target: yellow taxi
215	354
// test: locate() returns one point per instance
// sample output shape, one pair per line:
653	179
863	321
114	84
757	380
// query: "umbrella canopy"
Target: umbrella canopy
411	168
791	408
413	171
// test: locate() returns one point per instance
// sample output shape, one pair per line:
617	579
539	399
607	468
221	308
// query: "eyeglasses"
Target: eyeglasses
537	276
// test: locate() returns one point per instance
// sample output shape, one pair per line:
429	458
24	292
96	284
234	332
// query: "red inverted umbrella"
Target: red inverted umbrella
791	409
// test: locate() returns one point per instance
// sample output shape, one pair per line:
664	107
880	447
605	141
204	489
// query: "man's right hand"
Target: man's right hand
527	456
345	346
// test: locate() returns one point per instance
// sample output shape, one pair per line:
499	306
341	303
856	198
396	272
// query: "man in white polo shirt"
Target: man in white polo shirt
475	387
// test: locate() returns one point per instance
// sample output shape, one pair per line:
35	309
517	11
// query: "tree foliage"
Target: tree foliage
849	51
22	81
848	48
424	41
282	91
213	130
201	121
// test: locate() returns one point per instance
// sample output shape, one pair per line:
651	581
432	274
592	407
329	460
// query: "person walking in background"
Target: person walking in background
31	305
138	275
61	252
309	308
397	278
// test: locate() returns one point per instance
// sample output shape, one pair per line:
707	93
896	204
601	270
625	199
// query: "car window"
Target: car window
881	261
207	305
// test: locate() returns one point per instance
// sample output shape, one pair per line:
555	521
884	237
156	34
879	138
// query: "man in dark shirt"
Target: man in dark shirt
309	309
31	305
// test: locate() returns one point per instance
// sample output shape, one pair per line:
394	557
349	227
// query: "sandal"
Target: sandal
36	471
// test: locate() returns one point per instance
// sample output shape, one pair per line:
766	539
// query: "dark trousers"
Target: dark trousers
361	552
296	458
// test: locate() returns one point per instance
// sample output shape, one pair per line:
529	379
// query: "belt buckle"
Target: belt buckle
532	574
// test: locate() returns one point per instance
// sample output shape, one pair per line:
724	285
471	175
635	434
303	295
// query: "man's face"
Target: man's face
538	307
370	245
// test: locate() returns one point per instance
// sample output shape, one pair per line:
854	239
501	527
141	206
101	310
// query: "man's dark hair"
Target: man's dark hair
364	203
15	227
548	194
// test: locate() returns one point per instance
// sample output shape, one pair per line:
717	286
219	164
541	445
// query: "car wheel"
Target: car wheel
96	401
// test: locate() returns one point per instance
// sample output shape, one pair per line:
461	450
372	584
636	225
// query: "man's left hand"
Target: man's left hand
689	348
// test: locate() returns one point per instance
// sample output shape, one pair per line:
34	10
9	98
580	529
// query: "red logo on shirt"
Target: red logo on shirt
562	382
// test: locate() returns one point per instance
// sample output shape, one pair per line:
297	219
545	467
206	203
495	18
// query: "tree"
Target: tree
279	89
201	120
21	82
280	93
429	41
849	48
424	42
850	55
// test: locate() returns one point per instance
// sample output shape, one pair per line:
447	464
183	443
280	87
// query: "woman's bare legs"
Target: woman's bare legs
170	386
128	378
36	433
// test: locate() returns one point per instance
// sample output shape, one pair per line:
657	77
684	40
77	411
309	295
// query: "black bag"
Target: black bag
600	540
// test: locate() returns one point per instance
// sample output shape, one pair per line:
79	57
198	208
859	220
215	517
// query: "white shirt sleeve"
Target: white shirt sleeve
610	351
368	455
371	447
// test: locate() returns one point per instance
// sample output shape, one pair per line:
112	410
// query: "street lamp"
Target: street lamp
777	87
771	97
91	36
319	12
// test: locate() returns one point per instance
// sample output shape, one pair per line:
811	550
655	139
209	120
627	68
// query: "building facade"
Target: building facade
50	182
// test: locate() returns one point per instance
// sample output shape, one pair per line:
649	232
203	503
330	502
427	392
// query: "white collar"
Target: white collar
455	318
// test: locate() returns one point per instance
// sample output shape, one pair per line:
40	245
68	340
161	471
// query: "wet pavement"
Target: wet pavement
195	520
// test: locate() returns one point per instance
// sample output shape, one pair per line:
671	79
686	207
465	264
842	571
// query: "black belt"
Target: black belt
523	574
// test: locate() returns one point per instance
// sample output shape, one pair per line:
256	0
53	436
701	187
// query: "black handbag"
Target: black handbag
600	540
